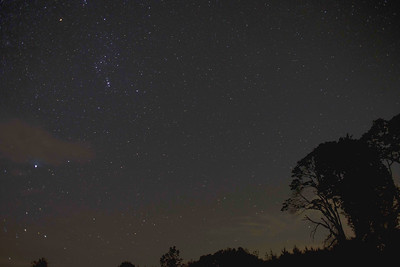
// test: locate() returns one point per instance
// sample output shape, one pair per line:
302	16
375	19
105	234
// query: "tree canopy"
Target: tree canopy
384	136
351	179
42	262
171	258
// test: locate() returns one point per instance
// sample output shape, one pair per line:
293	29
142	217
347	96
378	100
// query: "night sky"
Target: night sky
127	127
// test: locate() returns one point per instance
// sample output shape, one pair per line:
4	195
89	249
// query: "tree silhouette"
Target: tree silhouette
40	263
126	264
384	136
311	191
345	178
171	258
228	258
367	191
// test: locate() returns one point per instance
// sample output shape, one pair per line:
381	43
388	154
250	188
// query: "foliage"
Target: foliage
42	262
312	189
348	252
171	258
228	257
384	136
352	179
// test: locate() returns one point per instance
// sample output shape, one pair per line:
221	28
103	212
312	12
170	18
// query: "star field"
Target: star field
127	127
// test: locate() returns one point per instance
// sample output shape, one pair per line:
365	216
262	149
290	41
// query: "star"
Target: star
179	111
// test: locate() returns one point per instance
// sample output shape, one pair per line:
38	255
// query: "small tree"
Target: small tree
171	258
40	263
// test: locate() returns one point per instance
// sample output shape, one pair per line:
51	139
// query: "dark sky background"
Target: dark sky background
127	127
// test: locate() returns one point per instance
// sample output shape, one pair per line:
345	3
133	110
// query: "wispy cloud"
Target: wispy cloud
260	225
21	142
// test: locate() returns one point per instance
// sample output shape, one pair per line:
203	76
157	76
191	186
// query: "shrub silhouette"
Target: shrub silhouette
42	262
126	264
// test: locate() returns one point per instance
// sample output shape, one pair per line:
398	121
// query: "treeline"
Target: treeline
351	253
345	182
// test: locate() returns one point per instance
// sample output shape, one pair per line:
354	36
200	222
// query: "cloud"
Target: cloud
21	142
263	224
268	225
